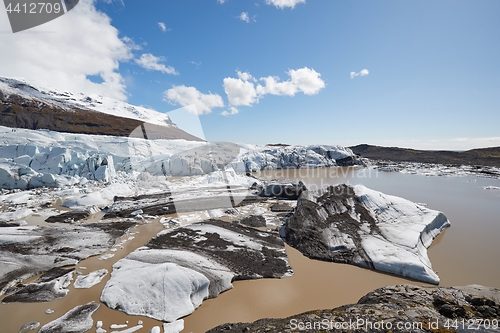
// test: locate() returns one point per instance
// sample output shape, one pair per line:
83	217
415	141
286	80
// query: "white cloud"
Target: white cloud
273	86
284	3
245	76
243	91
363	72
306	80
163	27
150	62
244	17
231	112
221	1
193	100
63	52
457	144
240	92
471	143
110	1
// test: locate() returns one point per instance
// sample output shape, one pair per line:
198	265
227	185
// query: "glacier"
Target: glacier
42	158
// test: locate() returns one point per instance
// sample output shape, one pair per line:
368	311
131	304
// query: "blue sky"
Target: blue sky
427	73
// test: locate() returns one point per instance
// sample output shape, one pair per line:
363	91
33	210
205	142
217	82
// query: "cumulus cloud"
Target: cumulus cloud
240	92
244	17
245	90
153	63
245	76
64	52
284	3
163	27
231	112
193	100
363	72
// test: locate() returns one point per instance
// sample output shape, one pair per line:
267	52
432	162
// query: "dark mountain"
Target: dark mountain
484	156
24	106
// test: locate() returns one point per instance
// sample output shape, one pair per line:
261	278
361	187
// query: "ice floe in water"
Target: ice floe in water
76	320
174	272
363	227
90	280
162	291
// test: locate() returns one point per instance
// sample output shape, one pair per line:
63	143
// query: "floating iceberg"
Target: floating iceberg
363	227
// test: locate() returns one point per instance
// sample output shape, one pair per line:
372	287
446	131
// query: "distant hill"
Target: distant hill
484	156
26	106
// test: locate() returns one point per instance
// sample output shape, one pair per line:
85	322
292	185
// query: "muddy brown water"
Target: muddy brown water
466	253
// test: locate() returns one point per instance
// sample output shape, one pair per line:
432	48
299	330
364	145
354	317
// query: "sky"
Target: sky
422	74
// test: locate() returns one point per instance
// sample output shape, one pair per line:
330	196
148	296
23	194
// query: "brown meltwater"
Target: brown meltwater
314	285
466	253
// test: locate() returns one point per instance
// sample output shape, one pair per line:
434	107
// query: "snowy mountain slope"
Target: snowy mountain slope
70	101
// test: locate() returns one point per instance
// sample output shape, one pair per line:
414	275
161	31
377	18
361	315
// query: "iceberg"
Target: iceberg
366	228
174	272
76	320
90	280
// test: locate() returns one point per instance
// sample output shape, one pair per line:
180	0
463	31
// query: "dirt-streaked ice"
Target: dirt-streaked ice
90	280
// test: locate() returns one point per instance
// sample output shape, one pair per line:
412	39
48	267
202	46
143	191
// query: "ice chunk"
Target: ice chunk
90	280
139	288
175	327
76	320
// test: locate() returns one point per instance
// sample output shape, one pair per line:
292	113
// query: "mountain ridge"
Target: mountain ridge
25	106
480	156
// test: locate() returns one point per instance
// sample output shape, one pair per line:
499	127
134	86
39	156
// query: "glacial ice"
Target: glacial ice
90	280
366	228
162	291
44	158
15	215
76	320
172	274
175	327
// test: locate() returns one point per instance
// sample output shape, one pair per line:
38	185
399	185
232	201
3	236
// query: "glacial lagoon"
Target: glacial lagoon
466	253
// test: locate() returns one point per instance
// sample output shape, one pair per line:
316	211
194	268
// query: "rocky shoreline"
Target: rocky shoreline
401	308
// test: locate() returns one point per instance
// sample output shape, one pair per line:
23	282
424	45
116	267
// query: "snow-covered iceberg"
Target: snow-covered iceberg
27	251
173	273
76	320
363	227
90	280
